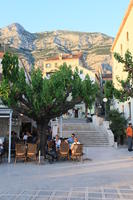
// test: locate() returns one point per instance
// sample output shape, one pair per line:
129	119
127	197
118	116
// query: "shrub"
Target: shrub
117	124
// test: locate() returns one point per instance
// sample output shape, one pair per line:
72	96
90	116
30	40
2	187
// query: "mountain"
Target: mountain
32	47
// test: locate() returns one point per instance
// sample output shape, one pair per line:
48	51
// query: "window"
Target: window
48	74
129	104
123	109
127	36
41	68
48	65
121	49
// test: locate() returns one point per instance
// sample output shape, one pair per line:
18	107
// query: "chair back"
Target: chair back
64	147
20	148
32	148
50	144
78	149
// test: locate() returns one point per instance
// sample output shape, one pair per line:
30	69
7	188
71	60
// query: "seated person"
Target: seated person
75	142
1	148
14	140
30	138
52	153
70	140
57	142
25	137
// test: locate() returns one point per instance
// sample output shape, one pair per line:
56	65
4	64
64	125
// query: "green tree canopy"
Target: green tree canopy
40	98
89	88
126	90
109	90
117	124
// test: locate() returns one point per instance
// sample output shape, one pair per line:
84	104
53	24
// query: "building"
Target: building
52	64
122	43
106	77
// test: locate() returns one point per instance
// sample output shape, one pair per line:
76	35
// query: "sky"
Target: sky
77	15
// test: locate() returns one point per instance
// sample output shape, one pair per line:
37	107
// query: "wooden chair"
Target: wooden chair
32	151
77	151
64	150
20	152
50	144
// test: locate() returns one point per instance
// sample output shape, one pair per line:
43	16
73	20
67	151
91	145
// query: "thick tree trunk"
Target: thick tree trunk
42	131
86	110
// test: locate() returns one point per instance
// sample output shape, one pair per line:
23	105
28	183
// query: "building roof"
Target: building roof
123	23
107	76
65	57
1	54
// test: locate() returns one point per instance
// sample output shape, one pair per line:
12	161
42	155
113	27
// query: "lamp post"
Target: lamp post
105	101
60	128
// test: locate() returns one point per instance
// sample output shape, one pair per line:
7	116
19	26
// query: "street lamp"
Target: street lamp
105	101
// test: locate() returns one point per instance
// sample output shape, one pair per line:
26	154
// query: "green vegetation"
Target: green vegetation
39	98
100	50
126	90
91	88
117	125
108	93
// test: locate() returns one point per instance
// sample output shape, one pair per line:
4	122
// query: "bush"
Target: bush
117	125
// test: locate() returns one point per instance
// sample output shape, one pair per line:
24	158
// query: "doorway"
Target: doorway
76	113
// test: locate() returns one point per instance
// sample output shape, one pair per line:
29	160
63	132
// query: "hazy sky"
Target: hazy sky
79	15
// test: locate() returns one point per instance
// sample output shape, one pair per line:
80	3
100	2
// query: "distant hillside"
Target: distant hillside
34	46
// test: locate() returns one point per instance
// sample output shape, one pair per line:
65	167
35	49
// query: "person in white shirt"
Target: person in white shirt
57	142
25	137
1	147
75	142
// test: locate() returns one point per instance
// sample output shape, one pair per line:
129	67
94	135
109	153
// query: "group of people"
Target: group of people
71	141
56	146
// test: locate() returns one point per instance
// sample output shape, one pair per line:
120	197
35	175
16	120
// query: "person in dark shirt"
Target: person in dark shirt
52	152
30	138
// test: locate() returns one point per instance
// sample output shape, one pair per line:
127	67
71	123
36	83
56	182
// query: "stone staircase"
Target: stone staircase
87	133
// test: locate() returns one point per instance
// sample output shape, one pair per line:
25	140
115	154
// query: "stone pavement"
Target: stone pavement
105	173
86	193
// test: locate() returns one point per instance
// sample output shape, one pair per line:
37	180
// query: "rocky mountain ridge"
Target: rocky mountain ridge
32	47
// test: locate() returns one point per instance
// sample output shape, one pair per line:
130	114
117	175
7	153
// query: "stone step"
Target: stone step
87	133
82	131
98	145
93	141
89	141
68	126
86	136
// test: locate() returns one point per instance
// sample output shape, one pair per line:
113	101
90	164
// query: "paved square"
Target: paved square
106	175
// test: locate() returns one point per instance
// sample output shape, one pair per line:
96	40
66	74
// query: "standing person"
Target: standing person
129	133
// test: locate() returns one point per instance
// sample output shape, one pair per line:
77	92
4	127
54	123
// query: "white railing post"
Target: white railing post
10	129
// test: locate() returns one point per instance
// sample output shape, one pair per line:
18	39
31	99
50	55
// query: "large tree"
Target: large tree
89	88
126	86
109	91
41	98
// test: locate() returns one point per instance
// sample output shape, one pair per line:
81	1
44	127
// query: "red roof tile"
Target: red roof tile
1	54
65	57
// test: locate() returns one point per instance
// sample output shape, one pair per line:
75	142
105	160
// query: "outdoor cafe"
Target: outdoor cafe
26	146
